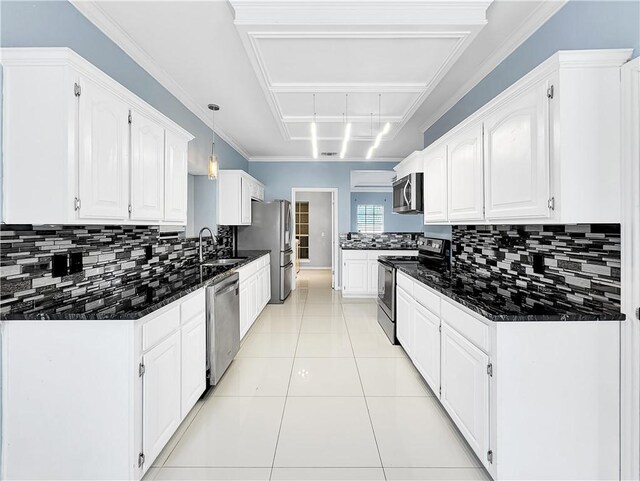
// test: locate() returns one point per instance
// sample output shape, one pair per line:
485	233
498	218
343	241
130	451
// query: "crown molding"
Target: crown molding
96	15
533	22
360	12
310	159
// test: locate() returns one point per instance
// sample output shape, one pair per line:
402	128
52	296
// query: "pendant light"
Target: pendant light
314	131
347	127
213	158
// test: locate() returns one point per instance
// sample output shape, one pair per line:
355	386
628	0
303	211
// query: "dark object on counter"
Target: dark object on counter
59	265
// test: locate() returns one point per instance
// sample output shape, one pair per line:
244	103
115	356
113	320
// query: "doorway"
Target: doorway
315	217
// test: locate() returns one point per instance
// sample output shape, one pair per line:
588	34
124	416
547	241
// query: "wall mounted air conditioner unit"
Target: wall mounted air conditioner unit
372	180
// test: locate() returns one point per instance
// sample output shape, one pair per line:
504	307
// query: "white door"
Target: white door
194	362
355	276
147	169
243	297
516	157
245	201
175	178
465	176
435	185
103	167
404	320
465	389
426	346
373	277
161	395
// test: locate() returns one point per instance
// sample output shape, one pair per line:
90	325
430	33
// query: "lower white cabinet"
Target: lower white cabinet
465	388
426	345
255	291
116	389
360	270
530	398
161	395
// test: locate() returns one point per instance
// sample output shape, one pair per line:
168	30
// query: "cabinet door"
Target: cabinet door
465	176
435	185
243	297
175	178
267	284
103	167
161	395
147	169
404	320
260	291
516	157
253	299
355	276
465	389
194	362
426	346
245	201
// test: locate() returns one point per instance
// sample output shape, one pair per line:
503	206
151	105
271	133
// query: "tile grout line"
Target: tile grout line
286	396
375	438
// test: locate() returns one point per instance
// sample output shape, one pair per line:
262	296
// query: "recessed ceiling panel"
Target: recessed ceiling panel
353	60
332	104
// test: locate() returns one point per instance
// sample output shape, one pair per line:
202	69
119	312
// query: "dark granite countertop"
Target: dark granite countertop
374	247
159	293
485	299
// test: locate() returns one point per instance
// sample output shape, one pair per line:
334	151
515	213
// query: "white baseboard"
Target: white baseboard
310	268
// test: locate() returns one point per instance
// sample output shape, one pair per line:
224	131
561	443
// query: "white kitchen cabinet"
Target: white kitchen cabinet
426	345
413	163
516	156
147	169
103	173
435	185
87	165
465	175
360	270
465	389
175	178
236	190
194	362
161	395
254	292
404	319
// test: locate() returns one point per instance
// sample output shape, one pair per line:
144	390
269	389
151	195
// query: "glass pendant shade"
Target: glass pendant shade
213	166
212	170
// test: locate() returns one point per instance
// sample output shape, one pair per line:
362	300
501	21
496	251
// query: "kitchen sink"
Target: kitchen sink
224	262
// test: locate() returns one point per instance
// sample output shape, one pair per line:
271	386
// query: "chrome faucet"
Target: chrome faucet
200	241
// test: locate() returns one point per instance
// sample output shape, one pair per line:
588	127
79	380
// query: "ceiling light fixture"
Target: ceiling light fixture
314	131
381	133
213	158
347	127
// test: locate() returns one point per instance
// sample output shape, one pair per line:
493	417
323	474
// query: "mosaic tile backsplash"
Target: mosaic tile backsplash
114	262
565	266
386	240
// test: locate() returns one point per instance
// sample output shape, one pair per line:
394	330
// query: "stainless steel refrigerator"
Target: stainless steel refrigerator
271	229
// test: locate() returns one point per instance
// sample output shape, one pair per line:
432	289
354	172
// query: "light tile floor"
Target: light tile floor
317	392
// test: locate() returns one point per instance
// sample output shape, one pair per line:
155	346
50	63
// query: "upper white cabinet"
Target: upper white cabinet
547	148
79	148
103	175
435	185
464	173
236	190
175	178
412	163
516	156
147	169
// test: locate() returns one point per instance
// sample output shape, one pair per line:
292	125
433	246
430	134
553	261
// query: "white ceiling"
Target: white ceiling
417	57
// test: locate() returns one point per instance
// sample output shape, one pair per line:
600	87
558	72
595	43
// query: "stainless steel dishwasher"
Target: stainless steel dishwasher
223	327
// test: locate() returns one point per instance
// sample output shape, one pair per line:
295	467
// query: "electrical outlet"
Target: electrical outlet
75	262
148	252
59	266
538	263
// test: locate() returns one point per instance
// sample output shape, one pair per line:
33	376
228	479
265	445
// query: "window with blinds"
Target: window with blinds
370	218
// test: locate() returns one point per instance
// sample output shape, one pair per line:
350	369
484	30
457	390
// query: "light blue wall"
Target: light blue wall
578	25
59	24
280	177
392	222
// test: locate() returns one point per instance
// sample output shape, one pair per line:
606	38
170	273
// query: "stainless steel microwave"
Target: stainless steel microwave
407	194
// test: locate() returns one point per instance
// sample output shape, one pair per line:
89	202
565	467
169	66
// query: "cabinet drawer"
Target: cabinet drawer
160	327
468	326
192	307
263	261
247	271
405	282
425	297
348	255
